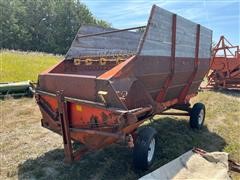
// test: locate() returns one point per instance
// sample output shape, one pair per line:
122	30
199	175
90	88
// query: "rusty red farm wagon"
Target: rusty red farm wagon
112	80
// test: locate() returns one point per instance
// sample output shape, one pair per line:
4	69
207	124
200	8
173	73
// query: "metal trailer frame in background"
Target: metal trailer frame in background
224	68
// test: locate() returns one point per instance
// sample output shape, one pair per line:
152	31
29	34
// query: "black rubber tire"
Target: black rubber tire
29	92
141	147
194	116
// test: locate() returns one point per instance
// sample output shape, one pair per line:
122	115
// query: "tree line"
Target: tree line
43	25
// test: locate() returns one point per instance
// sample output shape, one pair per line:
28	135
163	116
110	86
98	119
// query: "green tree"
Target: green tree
42	25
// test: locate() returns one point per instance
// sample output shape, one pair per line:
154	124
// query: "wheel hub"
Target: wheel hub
151	150
200	117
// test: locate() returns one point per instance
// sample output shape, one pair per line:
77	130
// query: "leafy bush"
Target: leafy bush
42	25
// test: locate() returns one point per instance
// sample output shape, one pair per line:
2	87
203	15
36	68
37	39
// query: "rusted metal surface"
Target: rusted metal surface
175	114
224	66
233	166
63	119
112	80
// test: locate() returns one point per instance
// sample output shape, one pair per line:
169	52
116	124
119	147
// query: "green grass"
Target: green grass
223	118
29	151
32	152
21	66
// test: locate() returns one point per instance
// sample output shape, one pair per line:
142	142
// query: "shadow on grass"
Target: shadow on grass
229	92
115	162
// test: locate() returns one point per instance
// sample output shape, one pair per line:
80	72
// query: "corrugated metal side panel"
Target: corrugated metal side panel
124	42
158	36
205	43
185	38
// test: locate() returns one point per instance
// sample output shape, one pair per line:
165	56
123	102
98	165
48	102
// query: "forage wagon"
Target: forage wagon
111	81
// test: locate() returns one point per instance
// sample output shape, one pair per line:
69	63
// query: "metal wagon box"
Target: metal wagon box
112	80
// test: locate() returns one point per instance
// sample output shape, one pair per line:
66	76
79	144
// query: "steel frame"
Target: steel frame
61	120
229	75
62	126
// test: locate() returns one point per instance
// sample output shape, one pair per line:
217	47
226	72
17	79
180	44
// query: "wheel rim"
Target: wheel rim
200	117
151	150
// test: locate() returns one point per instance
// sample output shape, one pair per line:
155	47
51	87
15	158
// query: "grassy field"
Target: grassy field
29	151
22	66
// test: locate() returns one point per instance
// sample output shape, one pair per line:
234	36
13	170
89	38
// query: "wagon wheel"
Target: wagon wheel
144	148
197	116
29	92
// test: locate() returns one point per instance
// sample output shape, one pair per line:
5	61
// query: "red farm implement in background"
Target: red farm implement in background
111	81
224	66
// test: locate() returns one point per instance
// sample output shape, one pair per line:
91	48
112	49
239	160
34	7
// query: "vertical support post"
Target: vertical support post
214	52
63	118
196	60
163	91
225	58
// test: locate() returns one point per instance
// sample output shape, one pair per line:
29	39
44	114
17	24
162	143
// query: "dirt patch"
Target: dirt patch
22	136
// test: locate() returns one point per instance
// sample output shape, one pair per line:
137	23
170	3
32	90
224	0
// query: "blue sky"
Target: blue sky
222	16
